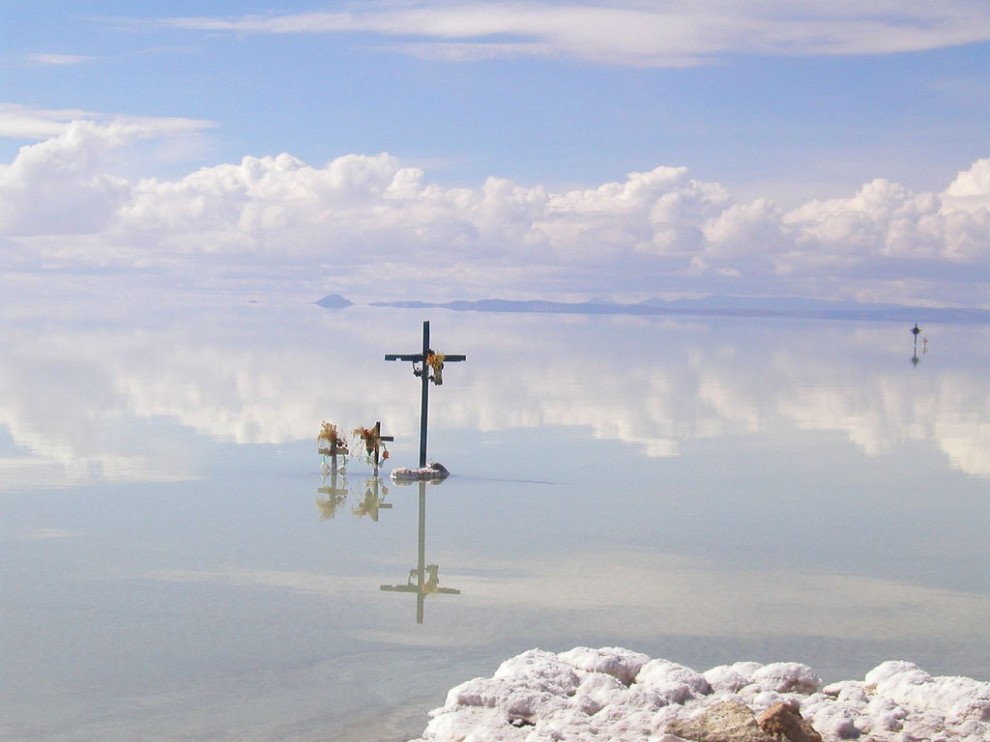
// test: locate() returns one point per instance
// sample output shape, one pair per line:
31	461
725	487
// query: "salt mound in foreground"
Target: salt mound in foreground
618	695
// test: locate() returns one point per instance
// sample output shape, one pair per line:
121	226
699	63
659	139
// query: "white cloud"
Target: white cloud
26	122
59	60
59	186
970	184
66	184
884	219
677	33
379	222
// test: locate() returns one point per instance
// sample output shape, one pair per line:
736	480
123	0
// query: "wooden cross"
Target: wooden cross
429	361
373	444
335	445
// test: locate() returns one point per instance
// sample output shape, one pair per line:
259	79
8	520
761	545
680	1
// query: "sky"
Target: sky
434	150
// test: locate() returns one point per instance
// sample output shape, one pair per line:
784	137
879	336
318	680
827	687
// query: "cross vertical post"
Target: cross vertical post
424	409
429	361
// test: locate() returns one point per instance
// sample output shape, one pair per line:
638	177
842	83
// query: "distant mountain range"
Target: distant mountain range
717	306
708	306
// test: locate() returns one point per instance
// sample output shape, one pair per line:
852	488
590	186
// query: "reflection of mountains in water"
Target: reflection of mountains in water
716	306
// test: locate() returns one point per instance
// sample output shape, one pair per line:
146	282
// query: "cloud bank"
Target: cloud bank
634	33
379	225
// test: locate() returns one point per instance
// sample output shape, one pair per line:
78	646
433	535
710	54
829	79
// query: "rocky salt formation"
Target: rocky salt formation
432	472
616	694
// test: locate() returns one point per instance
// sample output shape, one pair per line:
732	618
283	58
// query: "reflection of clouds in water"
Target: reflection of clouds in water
706	388
642	595
963	433
45	534
448	639
80	399
950	410
60	404
16	472
308	583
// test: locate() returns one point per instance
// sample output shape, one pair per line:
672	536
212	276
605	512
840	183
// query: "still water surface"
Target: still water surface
176	566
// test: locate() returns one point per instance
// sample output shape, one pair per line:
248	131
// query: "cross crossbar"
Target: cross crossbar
418	357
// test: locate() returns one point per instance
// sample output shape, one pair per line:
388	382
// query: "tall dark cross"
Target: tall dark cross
431	366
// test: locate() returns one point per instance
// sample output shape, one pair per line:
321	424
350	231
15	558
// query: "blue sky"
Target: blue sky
437	149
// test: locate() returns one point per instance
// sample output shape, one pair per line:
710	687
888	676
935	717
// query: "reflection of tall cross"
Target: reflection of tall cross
428	360
424	579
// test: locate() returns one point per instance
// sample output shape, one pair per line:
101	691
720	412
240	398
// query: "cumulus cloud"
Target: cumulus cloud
885	219
678	33
376	220
66	184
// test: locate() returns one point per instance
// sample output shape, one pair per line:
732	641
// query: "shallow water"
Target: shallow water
705	491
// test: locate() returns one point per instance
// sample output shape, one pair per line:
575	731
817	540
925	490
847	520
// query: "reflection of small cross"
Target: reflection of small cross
374	500
428	361
335	496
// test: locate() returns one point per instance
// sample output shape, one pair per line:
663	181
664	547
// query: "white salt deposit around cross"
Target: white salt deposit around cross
616	694
432	472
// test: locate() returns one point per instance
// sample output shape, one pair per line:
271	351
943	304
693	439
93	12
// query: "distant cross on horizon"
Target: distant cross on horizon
423	372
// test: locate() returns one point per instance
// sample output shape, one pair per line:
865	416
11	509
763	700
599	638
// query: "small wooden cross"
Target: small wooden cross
334	447
430	362
373	444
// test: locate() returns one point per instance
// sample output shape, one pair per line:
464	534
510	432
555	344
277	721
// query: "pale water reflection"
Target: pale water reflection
177	565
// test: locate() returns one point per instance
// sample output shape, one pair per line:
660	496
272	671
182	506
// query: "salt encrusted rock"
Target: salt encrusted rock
614	695
530	686
432	472
786	677
673	681
726	679
726	721
621	664
784	721
597	691
955	707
